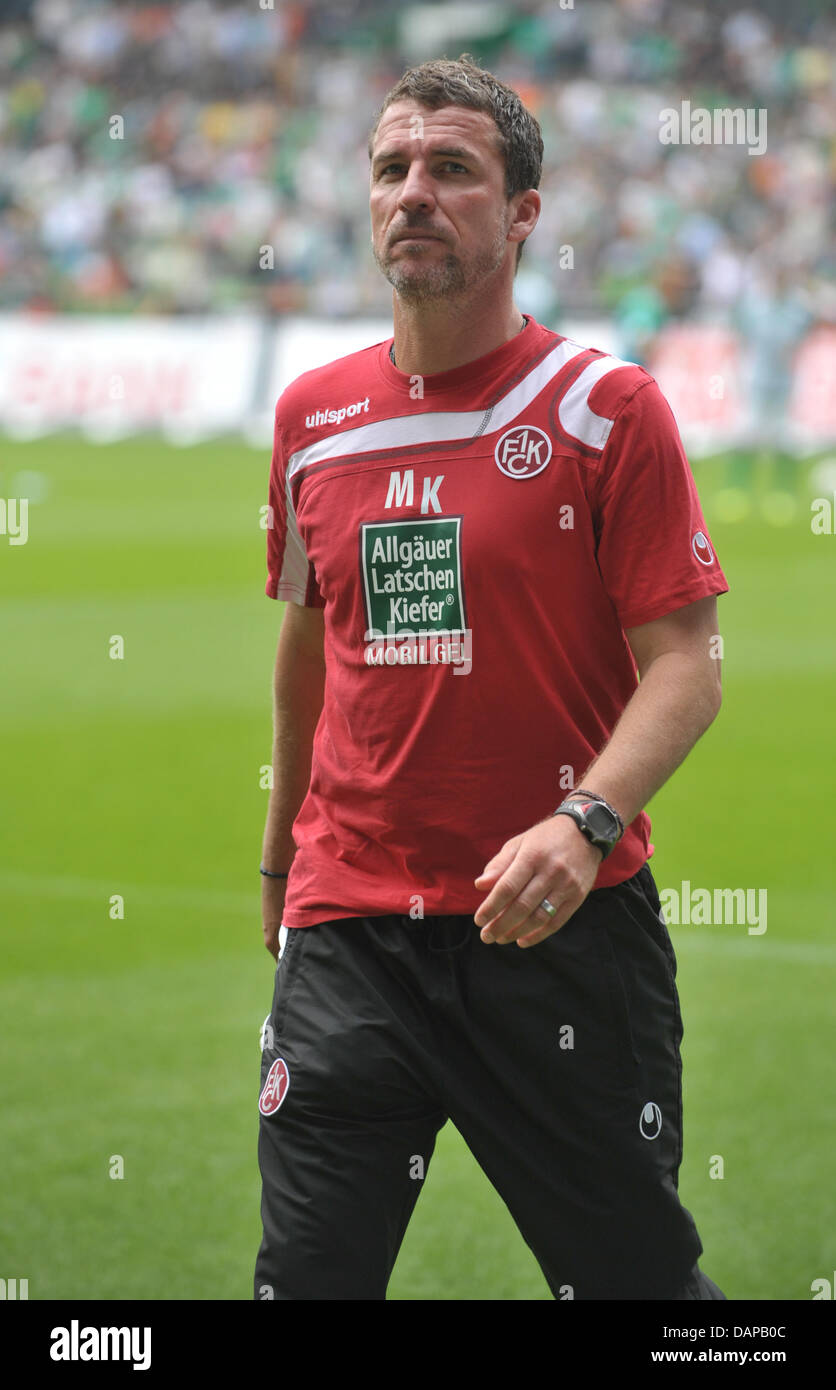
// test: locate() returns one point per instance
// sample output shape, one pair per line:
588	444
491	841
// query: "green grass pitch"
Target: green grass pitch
140	777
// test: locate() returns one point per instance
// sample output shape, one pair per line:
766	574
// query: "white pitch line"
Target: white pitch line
161	895
155	894
753	947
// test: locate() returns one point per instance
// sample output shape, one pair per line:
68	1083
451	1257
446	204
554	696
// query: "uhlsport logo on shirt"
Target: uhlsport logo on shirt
275	1087
702	549
523	451
334	415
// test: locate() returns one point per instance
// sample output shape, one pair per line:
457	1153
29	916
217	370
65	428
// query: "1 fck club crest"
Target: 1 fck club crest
523	452
275	1087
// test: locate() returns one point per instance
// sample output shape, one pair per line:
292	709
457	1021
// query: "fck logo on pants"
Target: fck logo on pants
275	1087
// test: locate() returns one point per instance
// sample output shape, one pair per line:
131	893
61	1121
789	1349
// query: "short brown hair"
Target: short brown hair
461	82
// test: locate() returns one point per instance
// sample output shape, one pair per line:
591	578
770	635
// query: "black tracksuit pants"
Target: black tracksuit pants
559	1065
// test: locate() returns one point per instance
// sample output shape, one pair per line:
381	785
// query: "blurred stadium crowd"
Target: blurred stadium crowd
245	126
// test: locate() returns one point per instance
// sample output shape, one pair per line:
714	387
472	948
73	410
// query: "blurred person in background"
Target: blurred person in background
773	315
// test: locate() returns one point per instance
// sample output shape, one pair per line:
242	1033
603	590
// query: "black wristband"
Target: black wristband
267	873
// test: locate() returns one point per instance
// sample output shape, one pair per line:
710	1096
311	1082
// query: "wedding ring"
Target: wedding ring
549	907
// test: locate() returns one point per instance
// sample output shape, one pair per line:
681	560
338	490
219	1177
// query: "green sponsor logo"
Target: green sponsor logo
412	576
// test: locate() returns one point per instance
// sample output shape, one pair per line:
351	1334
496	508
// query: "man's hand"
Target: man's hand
551	860
272	908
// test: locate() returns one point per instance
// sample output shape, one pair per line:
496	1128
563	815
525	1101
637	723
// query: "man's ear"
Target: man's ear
525	216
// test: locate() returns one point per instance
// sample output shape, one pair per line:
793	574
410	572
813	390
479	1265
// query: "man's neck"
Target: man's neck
438	338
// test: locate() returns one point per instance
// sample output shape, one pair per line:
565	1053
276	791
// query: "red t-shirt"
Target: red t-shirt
479	539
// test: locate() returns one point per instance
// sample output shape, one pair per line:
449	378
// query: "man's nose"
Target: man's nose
417	190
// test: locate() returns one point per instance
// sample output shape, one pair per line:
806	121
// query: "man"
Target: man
482	529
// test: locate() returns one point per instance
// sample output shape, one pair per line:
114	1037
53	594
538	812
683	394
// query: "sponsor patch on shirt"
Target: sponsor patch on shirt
412	576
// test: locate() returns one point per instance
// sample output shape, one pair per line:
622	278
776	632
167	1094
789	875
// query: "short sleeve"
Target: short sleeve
290	574
653	549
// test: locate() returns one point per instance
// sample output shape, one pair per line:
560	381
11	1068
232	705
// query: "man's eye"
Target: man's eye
398	168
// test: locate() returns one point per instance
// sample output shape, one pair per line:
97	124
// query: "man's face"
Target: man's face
438	210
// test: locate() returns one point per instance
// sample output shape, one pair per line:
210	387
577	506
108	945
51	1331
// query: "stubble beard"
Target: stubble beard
446	279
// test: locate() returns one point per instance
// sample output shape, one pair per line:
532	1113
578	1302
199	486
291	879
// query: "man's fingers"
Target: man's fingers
522	914
514	898
272	910
525	913
270	932
533	938
510	884
549	861
500	862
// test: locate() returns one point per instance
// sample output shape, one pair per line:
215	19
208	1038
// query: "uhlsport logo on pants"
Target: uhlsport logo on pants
650	1121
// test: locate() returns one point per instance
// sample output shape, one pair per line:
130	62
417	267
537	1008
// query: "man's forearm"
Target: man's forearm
291	778
297	704
676	701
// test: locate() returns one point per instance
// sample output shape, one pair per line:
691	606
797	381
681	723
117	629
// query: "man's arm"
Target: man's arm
298	689
678	697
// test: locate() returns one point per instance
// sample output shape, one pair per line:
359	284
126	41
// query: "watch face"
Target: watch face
601	821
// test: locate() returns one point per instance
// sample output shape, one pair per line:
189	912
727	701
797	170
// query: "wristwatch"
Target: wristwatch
596	820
